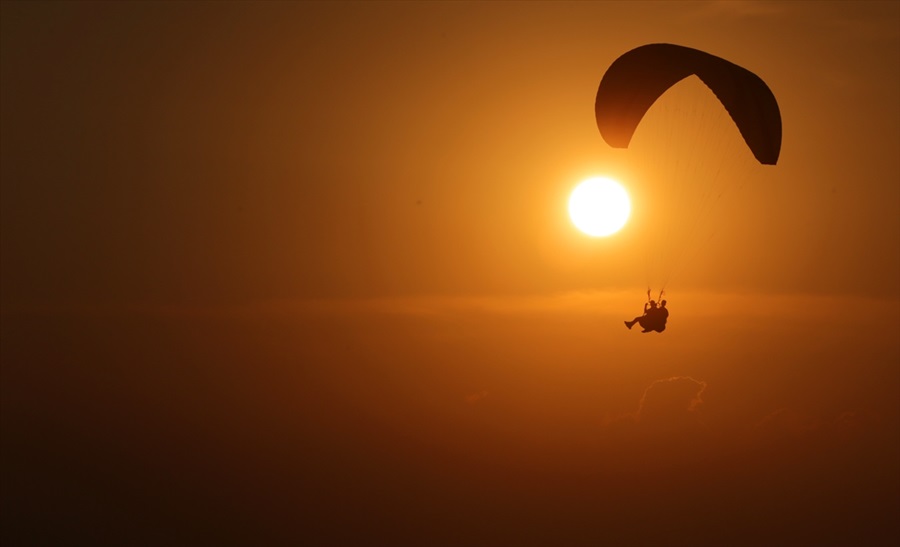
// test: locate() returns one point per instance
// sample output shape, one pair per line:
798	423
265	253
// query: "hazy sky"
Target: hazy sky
231	151
300	272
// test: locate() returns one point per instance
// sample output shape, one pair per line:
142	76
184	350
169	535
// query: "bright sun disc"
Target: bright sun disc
599	206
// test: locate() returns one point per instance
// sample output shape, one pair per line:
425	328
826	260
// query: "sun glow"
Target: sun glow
599	206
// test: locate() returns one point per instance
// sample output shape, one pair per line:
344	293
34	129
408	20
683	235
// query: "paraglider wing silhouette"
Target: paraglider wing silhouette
636	79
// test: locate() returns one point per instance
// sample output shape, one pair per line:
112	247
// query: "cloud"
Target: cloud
668	417
667	401
786	423
666	431
671	402
853	423
475	397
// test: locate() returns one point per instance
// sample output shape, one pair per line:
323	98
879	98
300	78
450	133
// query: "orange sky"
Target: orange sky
207	154
275	272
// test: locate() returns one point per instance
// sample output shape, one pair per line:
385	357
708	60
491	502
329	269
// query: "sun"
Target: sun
599	206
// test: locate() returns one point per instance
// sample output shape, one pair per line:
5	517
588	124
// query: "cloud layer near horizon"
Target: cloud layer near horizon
545	406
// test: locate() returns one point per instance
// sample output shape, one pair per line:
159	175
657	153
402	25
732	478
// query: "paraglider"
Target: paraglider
632	84
654	317
638	78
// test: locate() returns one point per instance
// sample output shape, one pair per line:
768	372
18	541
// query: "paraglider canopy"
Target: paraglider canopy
639	77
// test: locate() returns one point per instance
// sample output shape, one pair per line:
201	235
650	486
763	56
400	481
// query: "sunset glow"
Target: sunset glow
380	273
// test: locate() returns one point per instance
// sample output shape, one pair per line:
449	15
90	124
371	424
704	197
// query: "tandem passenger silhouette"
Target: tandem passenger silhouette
654	318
